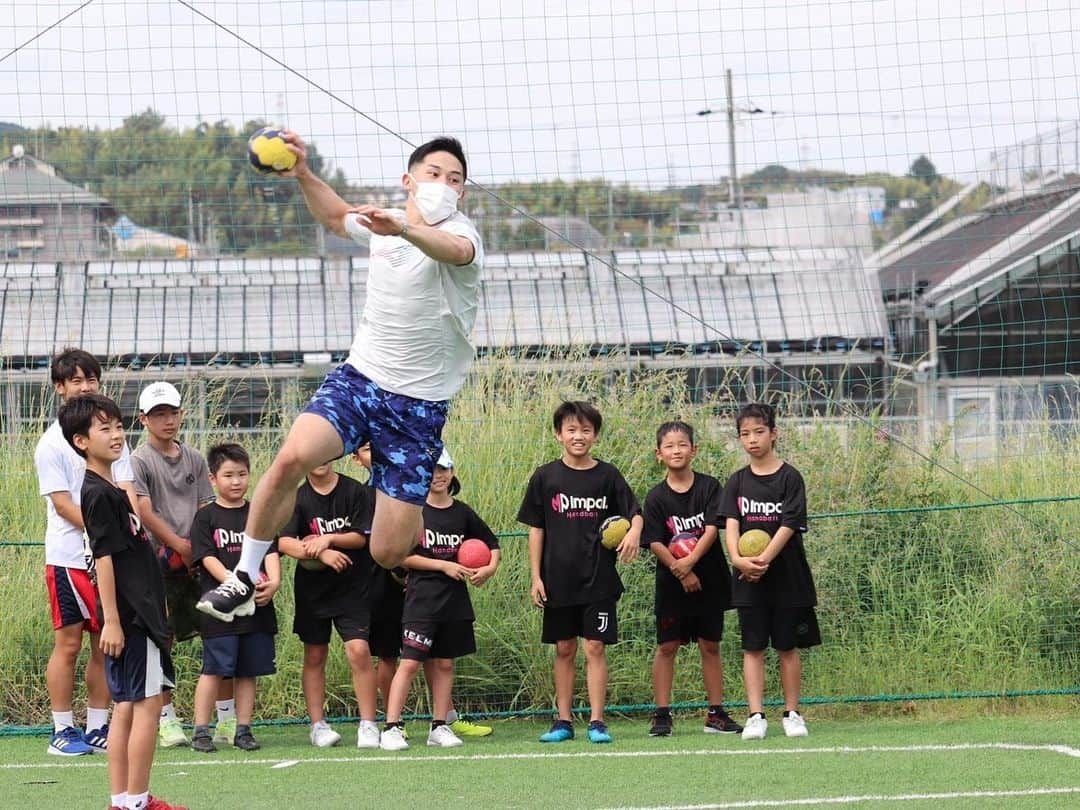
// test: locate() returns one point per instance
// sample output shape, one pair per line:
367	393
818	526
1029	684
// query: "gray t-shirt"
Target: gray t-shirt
177	487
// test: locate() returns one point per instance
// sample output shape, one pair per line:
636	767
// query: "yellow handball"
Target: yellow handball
753	542
613	530
268	153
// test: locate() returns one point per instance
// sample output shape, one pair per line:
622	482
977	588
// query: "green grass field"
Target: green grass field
1022	761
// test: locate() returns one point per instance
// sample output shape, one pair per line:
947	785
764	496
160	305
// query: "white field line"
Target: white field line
902	797
361	759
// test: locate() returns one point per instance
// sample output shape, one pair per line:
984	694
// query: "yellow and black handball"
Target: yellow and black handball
268	153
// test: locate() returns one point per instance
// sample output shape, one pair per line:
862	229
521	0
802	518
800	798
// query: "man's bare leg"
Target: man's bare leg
394	530
311	441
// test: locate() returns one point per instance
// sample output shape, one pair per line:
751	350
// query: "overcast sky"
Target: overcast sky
549	88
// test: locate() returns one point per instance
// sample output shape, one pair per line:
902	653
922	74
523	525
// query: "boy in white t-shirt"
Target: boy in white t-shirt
410	356
73	598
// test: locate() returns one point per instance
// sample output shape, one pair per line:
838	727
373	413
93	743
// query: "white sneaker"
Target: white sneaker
755	728
393	739
322	736
367	735
443	737
794	725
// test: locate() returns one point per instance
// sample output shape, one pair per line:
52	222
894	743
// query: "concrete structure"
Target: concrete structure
814	218
45	218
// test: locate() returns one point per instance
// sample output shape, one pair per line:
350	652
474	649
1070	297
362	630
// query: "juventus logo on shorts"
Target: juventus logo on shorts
603	621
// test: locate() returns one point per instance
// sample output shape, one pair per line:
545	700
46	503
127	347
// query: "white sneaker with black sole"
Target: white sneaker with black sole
794	725
755	728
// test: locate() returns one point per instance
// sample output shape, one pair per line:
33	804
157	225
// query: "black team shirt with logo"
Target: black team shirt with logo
668	513
570	506
218	531
768	502
114	530
349	507
432	595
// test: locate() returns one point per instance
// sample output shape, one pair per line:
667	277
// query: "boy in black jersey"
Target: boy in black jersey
134	633
773	591
693	592
437	622
244	648
328	536
574	580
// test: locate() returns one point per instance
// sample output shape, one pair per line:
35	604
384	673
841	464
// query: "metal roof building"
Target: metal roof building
705	308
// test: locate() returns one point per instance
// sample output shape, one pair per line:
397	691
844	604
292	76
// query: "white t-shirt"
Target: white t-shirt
414	335
61	469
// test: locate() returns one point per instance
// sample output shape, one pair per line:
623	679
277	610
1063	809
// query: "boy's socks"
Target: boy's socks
251	556
96	718
62	720
168	712
201	731
117	799
138	801
226	709
451	717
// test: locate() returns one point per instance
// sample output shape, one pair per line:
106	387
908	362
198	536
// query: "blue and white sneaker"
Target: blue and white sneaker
561	731
98	739
68	742
598	732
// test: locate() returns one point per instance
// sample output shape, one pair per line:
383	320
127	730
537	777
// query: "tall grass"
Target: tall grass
945	601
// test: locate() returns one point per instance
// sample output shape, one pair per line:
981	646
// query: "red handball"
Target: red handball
171	563
682	545
473	553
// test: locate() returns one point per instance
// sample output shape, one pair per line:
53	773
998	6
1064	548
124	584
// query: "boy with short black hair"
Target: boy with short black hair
134	634
73	598
172	483
574	580
328	537
244	648
692	591
773	590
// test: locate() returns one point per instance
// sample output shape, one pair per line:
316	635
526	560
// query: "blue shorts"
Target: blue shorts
247	656
142	670
405	433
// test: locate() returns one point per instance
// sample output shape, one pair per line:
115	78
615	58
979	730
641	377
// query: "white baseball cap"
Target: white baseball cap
159	393
445	461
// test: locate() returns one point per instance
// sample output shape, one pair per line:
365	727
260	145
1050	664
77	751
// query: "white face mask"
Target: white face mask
435	201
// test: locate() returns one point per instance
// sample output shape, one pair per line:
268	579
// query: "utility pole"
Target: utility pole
734	189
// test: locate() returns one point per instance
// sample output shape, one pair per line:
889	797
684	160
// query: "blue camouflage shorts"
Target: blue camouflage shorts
405	433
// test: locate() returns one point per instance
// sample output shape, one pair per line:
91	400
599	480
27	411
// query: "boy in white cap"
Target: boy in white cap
172	482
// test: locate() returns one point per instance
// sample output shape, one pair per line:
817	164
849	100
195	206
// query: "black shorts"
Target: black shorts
686	629
247	656
351	625
787	628
181	594
385	636
142	670
596	622
423	640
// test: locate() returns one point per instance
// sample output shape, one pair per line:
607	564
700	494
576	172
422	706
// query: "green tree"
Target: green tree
922	169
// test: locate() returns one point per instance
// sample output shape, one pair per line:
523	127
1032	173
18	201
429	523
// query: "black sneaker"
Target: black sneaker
233	597
661	725
721	723
202	742
244	739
